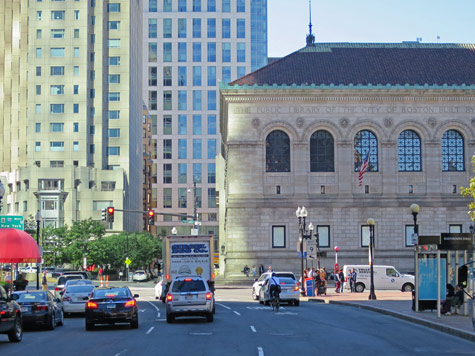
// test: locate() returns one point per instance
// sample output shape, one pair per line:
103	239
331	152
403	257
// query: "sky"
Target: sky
389	21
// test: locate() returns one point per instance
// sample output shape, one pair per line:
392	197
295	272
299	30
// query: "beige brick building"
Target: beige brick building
296	132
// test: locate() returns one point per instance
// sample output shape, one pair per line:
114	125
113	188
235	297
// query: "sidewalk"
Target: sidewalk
399	305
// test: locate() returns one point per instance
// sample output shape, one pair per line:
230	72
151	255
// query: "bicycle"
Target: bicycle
276	301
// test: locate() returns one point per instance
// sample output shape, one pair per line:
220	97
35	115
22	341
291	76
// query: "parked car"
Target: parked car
159	291
57	272
259	282
11	322
290	292
112	305
190	296
62	281
140	276
40	308
385	277
75	297
27	269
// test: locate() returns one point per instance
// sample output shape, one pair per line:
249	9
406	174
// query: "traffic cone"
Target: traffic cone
102	282
107	281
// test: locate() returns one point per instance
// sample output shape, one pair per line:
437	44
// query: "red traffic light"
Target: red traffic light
151	213
110	210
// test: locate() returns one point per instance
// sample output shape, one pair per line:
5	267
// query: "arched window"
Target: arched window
409	152
366	144
321	152
277	152
453	157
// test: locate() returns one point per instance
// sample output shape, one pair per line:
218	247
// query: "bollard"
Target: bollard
107	281
102	282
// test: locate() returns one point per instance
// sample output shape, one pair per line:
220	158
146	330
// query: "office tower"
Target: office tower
77	146
190	47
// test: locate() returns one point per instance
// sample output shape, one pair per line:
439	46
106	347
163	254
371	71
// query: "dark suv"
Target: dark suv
10	317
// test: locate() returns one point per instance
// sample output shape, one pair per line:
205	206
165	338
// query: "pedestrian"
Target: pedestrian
254	271
44	281
318	282
323	279
311	272
20	283
338	282
246	270
8	284
100	272
342	279
270	269
353	280
261	269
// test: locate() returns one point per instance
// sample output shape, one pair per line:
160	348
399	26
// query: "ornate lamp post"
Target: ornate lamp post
301	214
38	221
414	211
370	222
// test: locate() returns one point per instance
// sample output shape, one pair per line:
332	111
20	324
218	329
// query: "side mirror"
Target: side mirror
463	276
136	295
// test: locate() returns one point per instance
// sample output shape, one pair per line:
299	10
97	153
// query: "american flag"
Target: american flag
363	167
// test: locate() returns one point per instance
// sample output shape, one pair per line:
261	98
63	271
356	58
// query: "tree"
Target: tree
470	192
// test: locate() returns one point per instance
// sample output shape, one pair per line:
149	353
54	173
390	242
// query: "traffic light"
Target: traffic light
104	214
151	217
110	213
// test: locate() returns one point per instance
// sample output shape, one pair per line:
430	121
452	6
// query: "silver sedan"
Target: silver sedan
289	292
75	298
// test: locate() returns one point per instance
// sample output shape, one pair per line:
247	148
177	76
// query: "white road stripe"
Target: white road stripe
235	312
150	330
253	328
153	305
222	305
260	351
120	353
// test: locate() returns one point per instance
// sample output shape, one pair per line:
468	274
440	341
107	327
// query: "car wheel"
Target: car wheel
296	303
16	334
408	287
135	323
254	295
210	317
89	326
61	318
359	287
170	318
52	322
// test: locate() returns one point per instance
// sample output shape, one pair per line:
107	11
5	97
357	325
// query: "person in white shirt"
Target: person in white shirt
274	285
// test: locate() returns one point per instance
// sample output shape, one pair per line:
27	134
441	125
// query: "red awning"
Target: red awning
16	246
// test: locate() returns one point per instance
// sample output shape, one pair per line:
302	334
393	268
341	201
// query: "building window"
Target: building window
152	76
57	15
241	52
211	172
181	5
76	14
75	89
226	52
241	28
277	152
167	173
278	237
56	127
197	172
57	52
182	195
152	52
322	152
226	74
113	151
107	186
211	198
167	149
196	28
241	5
57	108
196	76
114	78
167	197
114	96
113	133
197	149
212	52
226	5
182	173
453	153
196	99
211	5
57	89
364	141
39	34
167	5
211	28
196	52
365	236
181	28
113	114
226	28
181	52
152	28
167	52
38	109
211	124
38	53
115	25
76	34
409	232
323	235
182	125
241	71
181	99
212	149
167	100
113	43
76	52
38	127
75	146
211	99
409	152
37	146
167	125
57	70
56	146
113	7
182	149
167	28
211	76
455	228
196	5
38	89
196	124
58	33
76	71
38	71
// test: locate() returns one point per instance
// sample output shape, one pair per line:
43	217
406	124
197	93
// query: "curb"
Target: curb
446	329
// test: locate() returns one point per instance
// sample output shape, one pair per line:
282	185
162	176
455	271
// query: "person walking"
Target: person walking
100	272
353	280
342	279
44	281
261	269
338	282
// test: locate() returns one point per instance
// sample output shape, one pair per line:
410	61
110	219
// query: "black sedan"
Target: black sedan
110	306
40	308
10	317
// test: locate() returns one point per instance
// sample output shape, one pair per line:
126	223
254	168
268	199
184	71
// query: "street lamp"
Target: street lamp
414	211
2	193
38	220
370	222
301	214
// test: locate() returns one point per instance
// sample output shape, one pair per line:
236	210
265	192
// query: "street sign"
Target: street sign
11	221
312	250
128	261
187	221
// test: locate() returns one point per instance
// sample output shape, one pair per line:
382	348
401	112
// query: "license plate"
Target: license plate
24	309
188	297
111	306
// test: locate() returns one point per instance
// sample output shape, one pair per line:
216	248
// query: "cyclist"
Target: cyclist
274	285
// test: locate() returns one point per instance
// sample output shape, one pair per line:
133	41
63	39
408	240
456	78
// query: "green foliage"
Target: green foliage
470	192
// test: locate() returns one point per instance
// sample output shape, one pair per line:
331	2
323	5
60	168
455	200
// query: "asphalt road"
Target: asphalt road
243	327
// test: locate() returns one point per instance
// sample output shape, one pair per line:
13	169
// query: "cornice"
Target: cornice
340	98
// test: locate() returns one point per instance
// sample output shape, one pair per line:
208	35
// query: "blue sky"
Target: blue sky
369	21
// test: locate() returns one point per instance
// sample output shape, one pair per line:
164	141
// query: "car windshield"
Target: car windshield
31	297
193	285
139	272
79	289
111	293
78	281
284	280
62	280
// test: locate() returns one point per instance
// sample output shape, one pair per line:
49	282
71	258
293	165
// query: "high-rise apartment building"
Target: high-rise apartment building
190	47
73	141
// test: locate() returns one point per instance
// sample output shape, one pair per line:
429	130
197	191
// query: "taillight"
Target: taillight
167	277
296	288
188	279
3	312
169	297
130	303
91	305
57	289
66	299
208	296
40	307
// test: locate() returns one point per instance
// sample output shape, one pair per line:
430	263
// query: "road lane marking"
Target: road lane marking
253	329
150	330
153	305
260	351
222	305
201	334
235	312
121	353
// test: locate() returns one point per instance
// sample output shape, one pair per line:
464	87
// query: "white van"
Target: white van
385	277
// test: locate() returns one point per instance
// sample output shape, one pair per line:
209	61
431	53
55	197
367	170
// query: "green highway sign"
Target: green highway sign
11	221
188	221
